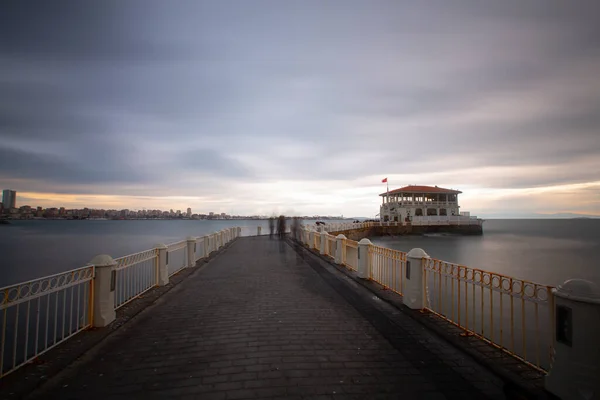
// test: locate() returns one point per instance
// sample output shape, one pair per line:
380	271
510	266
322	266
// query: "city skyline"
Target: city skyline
300	109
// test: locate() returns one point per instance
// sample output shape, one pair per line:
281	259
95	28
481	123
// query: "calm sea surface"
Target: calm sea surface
544	251
547	251
32	249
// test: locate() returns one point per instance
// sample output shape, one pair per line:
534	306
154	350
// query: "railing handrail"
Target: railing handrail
442	296
2	289
72	294
6	291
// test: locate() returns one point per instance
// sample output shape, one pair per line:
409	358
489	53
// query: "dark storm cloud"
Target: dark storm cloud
155	94
32	166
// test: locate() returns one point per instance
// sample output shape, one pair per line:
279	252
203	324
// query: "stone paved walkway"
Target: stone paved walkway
256	322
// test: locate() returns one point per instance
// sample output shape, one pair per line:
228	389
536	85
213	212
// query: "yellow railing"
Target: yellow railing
387	267
511	314
317	244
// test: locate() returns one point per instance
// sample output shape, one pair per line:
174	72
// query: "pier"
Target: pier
317	315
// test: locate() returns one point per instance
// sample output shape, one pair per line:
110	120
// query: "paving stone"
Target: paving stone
259	322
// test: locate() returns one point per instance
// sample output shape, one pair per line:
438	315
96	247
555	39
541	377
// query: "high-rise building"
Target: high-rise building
189	212
9	198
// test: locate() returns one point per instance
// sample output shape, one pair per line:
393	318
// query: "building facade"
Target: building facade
402	205
9	199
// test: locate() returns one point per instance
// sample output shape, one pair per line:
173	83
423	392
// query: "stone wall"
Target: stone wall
358	234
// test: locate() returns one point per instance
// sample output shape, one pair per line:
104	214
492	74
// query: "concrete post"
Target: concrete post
239	231
206	244
258	230
364	259
575	369
340	247
163	273
191	251
414	293
311	239
104	290
323	247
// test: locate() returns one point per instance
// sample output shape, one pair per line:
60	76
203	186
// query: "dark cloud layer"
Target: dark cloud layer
128	97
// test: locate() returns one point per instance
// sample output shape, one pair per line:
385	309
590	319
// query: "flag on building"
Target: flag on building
384	180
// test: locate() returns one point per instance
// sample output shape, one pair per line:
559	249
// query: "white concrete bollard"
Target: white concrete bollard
323	247
364	259
414	293
311	239
104	290
206	244
191	251
163	273
340	247
575	371
258	230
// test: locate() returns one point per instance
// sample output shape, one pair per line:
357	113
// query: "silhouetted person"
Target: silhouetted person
281	227
271	227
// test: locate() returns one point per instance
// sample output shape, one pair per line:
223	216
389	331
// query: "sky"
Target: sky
302	107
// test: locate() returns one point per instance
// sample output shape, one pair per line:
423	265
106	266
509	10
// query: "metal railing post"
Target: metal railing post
414	279
104	288
162	273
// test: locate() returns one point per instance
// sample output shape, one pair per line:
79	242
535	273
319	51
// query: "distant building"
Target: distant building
189	212
418	201
9	198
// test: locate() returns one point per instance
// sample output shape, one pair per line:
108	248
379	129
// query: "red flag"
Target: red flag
384	180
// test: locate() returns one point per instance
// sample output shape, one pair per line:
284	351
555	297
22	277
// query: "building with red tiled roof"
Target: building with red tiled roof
416	200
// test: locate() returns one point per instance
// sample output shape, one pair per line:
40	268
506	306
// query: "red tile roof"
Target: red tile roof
422	189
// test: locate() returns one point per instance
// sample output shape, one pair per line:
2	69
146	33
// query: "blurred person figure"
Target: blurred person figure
281	227
271	227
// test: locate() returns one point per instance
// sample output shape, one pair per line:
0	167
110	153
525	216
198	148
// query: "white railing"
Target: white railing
420	203
337	227
445	220
135	274
512	314
330	246
39	314
177	256
350	258
199	249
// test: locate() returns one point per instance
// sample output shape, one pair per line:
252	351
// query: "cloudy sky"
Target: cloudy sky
300	106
